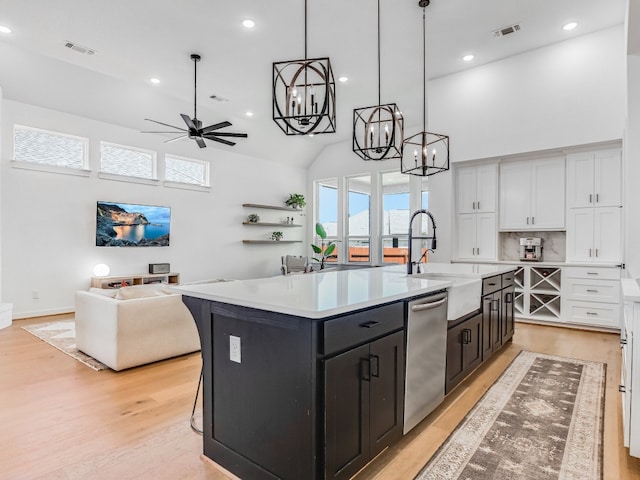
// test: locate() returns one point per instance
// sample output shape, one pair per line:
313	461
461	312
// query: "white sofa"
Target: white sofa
134	325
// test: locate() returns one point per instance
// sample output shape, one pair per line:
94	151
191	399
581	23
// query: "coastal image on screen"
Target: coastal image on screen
129	225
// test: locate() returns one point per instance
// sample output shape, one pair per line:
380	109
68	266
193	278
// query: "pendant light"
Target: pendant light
425	153
378	131
304	98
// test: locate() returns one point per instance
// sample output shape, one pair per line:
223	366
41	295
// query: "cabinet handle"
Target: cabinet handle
478	205
371	324
622	389
478	251
474	205
365	369
527	220
592	273
374	372
427	306
597	198
596	252
589	253
494	305
590	198
592	314
508	298
466	336
623	341
473	251
592	291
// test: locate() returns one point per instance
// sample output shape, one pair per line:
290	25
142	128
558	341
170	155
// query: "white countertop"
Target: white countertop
630	289
324	294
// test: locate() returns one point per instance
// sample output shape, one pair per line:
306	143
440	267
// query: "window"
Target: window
127	161
53	149
327	210
358	225
424	203
395	217
186	170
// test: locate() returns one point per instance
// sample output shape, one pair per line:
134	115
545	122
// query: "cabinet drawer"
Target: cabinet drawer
592	313
507	279
357	328
593	290
593	273
491	284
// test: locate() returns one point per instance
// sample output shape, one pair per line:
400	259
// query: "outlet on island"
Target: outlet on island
234	349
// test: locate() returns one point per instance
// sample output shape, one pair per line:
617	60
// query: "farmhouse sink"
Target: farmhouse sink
464	293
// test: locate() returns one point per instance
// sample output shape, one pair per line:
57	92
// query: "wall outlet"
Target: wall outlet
234	349
35	295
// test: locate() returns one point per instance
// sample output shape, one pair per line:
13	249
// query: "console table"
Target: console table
135	279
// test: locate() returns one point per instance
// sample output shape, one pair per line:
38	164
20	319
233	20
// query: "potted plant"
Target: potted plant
253	218
277	236
295	200
324	250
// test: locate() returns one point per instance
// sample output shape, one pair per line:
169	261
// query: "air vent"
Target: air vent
218	98
506	30
79	48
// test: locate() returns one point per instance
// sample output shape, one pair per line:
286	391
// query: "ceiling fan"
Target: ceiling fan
194	129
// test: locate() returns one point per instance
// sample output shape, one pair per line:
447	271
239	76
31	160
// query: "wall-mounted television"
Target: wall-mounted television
132	225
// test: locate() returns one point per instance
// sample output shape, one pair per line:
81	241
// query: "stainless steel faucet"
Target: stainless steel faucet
410	262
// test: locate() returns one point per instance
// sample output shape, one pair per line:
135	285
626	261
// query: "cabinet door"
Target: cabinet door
508	324
487	345
487	186
472	343
515	196
386	392
346	385
580	180
496	330
466	182
580	224
467	226
455	363
607	235
486	234
547	194
608	178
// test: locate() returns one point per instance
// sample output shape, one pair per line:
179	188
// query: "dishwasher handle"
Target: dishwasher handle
427	306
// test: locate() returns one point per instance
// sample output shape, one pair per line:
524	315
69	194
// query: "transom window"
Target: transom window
186	170
44	147
128	161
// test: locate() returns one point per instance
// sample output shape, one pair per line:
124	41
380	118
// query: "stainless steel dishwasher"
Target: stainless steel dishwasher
426	358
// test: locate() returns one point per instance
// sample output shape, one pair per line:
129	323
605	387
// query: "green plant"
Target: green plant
253	218
324	250
276	236
296	200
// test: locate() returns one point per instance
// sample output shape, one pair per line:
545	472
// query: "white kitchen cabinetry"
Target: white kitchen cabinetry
591	296
537	295
594	179
477	238
476	188
594	235
630	373
532	195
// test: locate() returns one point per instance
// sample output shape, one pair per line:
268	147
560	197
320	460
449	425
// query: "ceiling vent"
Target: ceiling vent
218	98
501	32
79	48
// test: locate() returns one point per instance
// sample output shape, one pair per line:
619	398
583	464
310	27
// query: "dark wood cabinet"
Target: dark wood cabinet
363	396
491	339
464	350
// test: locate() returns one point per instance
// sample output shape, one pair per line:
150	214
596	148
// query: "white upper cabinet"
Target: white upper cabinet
532	195
594	235
477	236
476	188
594	179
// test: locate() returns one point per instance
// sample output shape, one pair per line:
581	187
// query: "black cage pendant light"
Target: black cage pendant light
378	131
425	153
304	94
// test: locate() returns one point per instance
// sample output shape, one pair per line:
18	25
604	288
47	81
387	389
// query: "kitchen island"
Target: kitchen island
304	375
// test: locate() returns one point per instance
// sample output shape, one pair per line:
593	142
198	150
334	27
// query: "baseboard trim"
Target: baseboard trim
573	326
42	313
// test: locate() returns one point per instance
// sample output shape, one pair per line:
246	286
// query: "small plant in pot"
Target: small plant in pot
295	200
277	236
323	251
253	218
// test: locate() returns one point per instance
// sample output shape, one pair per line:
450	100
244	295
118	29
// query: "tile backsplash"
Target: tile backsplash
553	245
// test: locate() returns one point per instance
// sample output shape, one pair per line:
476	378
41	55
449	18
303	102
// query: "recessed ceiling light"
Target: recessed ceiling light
569	26
468	58
4	29
248	23
249	114
154	80
311	134
343	79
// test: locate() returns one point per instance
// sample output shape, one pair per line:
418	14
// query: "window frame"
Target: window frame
129	178
347	236
187	185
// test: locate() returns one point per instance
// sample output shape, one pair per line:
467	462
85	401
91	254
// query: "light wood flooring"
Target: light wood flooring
60	420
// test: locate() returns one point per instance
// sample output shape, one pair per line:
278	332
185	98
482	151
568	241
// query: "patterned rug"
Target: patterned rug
542	419
62	335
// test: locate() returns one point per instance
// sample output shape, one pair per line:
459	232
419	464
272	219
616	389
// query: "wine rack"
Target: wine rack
537	295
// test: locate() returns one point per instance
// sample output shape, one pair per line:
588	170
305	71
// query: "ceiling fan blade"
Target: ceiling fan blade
165	124
200	142
162	132
215	139
225	134
188	121
176	139
215	126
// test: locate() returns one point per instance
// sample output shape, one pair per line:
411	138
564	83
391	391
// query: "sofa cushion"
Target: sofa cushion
142	291
106	292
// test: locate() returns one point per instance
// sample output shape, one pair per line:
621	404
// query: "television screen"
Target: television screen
129	225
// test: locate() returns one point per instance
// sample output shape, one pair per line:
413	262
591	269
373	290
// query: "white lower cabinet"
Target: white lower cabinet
477	237
630	376
591	296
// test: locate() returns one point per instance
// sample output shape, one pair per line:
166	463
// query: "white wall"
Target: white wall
567	94
48	219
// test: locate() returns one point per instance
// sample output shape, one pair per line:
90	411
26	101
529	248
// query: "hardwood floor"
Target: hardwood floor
60	420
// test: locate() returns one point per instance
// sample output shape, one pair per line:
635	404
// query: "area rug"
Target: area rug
542	419
62	335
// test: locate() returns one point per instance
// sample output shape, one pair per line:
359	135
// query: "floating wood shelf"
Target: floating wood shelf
271	207
272	224
271	241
